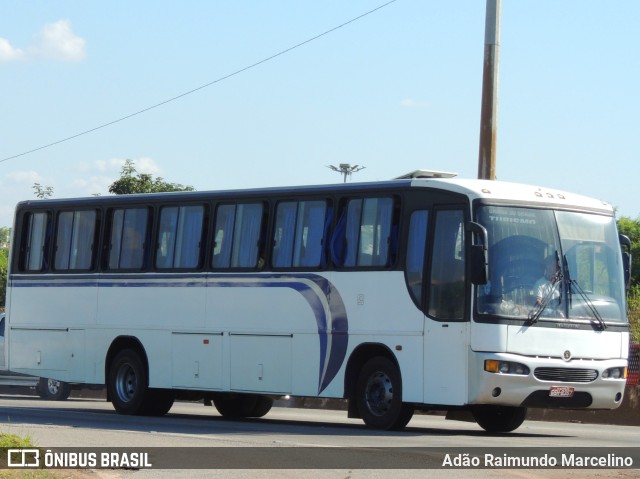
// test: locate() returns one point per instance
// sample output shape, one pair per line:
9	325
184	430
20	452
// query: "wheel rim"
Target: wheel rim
53	386
379	393
126	383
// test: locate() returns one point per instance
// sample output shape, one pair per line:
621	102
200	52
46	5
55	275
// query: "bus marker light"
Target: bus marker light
492	365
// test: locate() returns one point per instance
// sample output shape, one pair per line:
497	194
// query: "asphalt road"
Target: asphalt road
297	435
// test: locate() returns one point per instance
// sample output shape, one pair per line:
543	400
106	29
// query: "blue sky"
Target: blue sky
395	91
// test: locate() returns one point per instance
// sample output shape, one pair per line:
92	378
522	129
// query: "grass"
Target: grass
10	441
634	313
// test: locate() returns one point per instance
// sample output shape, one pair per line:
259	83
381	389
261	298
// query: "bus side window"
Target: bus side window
223	236
446	291
180	237
298	234
246	237
75	240
283	235
368	232
35	247
416	244
238	235
127	243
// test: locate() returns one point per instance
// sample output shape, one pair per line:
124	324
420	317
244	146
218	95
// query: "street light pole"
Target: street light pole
489	109
346	169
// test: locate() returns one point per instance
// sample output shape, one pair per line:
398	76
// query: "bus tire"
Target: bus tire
262	407
238	406
157	402
53	390
127	385
379	395
499	418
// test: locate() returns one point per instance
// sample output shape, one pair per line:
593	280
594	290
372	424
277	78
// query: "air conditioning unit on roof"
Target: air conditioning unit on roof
426	174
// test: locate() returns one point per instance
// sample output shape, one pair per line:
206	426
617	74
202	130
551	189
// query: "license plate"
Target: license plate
561	391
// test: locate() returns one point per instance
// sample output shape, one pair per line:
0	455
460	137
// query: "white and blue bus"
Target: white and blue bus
426	292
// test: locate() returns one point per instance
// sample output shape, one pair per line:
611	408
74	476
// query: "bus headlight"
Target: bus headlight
505	367
615	373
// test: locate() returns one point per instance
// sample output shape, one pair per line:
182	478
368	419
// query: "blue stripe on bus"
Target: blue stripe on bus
332	328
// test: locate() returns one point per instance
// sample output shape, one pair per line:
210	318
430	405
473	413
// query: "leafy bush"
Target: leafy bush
634	312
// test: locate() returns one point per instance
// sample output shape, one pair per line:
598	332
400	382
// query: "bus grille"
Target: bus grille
567	375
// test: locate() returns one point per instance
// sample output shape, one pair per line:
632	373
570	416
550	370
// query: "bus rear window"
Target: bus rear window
35	242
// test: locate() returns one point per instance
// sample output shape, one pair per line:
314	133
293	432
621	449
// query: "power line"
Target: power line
201	87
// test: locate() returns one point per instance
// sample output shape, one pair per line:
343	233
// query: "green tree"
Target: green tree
631	228
131	181
5	234
42	192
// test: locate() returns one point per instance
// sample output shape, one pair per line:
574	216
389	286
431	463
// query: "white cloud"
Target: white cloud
24	177
8	52
55	41
91	185
411	103
147	165
96	176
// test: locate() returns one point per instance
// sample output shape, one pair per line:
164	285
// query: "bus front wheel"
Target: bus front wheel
499	418
379	395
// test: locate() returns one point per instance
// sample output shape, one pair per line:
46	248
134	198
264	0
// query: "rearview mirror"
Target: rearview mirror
479	257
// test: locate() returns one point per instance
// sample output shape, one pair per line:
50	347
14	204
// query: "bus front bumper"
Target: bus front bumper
513	380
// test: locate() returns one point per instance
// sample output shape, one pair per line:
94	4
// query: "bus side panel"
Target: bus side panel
163	304
197	361
47	340
260	363
380	311
263	318
158	307
51	303
56	354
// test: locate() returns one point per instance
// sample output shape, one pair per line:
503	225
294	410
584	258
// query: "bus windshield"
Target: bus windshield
552	265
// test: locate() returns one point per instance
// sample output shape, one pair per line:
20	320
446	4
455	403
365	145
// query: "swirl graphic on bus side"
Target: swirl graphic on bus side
325	302
320	294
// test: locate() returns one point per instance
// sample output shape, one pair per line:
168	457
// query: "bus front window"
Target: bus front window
593	267
520	242
551	265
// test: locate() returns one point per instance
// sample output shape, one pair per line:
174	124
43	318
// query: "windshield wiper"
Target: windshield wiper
536	312
571	284
589	303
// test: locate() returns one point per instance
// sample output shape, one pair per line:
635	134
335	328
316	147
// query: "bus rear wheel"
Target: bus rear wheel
128	387
127	384
243	405
499	418
379	395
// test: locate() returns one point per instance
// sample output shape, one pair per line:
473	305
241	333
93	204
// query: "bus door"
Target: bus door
446	332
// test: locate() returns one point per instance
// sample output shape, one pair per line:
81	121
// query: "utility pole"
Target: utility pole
489	110
346	169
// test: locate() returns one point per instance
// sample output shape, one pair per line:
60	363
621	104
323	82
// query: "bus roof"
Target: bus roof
502	190
473	188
